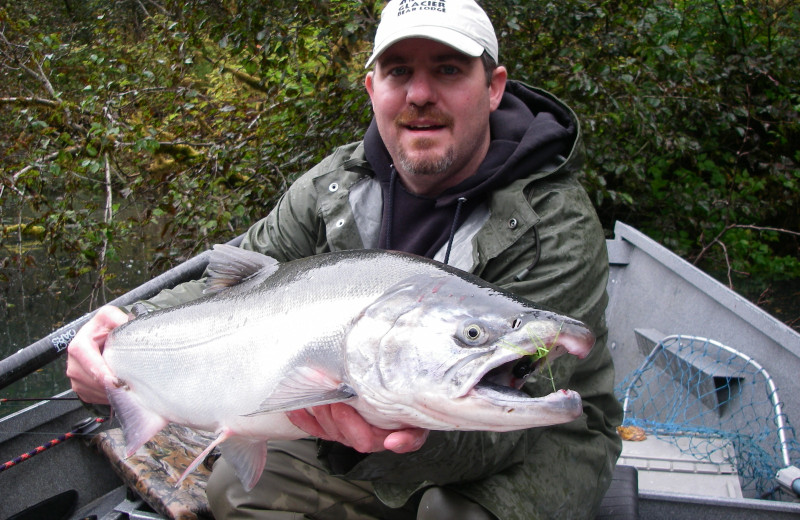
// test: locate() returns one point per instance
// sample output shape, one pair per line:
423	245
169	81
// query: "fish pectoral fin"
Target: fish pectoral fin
229	265
302	388
248	458
138	423
272	405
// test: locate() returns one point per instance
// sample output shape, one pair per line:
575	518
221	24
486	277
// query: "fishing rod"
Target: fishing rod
85	427
38	354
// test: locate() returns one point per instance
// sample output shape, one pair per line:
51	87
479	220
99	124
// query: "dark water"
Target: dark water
37	299
781	299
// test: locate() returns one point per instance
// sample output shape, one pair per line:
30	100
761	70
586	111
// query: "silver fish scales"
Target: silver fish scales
405	340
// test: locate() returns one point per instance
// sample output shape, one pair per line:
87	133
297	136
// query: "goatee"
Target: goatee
424	165
427	165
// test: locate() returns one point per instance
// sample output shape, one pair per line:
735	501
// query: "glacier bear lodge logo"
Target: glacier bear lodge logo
410	6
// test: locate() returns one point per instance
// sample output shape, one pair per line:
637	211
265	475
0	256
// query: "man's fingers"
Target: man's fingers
342	423
359	434
406	441
308	423
325	418
86	367
88	392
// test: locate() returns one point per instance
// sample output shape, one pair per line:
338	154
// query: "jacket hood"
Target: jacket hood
530	132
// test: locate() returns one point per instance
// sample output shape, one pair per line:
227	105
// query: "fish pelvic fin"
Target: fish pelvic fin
138	423
224	436
304	387
248	458
229	266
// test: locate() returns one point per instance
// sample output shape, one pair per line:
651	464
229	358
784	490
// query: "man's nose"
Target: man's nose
420	89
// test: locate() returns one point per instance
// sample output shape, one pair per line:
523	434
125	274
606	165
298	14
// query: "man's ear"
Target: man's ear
497	87
368	83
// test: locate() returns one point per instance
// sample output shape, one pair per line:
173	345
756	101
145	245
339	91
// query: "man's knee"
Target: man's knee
293	485
439	503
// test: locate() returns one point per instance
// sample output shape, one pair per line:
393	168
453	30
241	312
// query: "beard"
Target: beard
425	166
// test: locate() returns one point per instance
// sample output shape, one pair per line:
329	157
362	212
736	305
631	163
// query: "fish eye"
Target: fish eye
473	334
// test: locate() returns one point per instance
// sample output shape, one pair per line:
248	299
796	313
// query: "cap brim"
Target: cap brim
449	37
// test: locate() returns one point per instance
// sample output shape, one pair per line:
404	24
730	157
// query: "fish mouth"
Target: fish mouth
502	387
512	374
558	407
514	370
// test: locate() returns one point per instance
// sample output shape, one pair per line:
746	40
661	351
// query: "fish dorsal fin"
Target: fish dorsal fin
229	265
139	309
302	388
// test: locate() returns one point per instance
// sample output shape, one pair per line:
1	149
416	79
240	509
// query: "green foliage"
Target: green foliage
186	120
690	111
183	120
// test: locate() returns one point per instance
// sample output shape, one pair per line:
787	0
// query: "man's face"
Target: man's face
432	107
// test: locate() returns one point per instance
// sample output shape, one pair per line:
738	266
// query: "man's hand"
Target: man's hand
342	423
86	367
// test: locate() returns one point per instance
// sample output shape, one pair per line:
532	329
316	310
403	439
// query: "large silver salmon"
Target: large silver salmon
405	340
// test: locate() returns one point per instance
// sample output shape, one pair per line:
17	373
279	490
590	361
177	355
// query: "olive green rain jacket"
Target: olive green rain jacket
537	236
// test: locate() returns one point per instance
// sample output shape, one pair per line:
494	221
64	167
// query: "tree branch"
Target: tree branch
762	228
39	75
29	101
718	240
37	164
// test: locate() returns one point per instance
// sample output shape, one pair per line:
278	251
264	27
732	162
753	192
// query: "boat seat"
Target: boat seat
153	471
621	501
155	468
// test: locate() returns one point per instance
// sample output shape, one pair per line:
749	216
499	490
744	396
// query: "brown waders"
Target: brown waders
296	485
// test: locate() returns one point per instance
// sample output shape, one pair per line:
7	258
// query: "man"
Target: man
461	165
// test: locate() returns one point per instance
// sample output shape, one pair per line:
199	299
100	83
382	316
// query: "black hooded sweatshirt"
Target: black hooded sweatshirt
528	132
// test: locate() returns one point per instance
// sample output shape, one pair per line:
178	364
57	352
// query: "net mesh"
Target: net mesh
715	404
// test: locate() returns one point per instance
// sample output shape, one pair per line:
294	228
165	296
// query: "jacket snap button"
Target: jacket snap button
512	223
333	187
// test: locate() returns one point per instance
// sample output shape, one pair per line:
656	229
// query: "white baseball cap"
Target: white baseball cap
461	24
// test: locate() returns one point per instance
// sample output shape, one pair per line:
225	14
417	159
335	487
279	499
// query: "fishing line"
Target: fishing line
21	399
15	404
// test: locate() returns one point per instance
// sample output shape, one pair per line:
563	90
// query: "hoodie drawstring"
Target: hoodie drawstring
453	228
390	206
390	215
522	274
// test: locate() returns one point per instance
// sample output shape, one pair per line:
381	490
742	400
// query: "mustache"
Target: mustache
431	115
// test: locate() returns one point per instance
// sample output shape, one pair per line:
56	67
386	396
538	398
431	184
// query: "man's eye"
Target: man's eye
398	71
449	69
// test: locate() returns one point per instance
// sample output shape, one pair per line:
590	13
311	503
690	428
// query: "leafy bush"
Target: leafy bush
186	120
690	110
